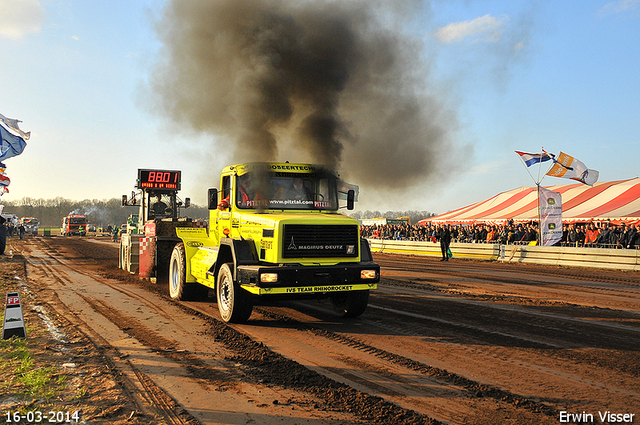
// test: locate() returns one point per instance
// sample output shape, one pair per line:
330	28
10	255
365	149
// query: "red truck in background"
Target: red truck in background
74	224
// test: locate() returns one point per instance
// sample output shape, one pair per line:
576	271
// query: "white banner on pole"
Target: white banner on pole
550	216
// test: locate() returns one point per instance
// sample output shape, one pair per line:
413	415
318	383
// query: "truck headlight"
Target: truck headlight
269	277
367	274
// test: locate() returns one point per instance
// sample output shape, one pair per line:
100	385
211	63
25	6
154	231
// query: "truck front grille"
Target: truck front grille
320	241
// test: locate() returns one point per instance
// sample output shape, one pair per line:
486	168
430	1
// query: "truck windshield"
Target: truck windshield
77	220
287	191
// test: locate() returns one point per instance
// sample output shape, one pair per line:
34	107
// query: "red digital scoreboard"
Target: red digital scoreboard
159	179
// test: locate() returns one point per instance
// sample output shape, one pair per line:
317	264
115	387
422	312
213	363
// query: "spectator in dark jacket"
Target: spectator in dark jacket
572	235
605	236
3	235
624	234
518	234
444	234
632	237
616	236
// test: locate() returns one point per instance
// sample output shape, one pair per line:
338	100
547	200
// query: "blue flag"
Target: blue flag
11	145
533	158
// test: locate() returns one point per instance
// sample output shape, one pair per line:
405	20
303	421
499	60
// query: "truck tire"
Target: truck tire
234	303
179	289
350	304
163	254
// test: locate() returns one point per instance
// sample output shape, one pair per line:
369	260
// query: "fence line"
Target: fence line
606	258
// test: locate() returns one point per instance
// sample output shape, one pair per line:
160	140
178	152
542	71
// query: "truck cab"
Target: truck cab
74	224
30	224
275	230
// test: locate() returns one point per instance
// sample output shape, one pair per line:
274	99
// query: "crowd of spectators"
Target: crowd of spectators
594	234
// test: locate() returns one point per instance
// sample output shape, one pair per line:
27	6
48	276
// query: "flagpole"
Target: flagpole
539	218
538	187
540	166
553	161
527	168
537	182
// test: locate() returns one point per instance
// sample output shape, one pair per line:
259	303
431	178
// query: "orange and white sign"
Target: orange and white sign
568	167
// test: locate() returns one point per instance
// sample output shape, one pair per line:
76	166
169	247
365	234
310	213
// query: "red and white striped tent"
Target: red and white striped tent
617	201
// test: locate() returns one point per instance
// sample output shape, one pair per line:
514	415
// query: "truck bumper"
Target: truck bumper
301	280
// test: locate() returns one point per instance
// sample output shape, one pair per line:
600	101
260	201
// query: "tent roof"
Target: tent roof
615	201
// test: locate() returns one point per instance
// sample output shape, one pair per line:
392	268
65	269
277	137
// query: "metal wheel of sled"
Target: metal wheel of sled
234	303
350	304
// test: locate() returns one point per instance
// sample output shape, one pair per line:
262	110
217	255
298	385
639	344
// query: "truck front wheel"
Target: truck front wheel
234	303
350	304
179	289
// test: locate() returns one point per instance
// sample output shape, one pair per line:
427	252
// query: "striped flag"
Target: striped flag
533	158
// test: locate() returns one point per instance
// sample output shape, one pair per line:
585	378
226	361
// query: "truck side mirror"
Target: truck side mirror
351	196
212	195
124	200
187	202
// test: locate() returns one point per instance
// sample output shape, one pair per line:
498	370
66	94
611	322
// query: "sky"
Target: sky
510	75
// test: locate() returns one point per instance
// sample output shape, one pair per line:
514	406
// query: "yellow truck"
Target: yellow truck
275	231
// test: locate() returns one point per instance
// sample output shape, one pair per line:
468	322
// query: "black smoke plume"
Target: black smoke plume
340	83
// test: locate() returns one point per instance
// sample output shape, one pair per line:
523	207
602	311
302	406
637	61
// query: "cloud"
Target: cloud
485	28
494	44
20	17
618	7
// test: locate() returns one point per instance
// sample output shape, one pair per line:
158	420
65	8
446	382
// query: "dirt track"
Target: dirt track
462	342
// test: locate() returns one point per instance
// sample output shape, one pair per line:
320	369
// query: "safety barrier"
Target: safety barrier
605	258
460	250
620	259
